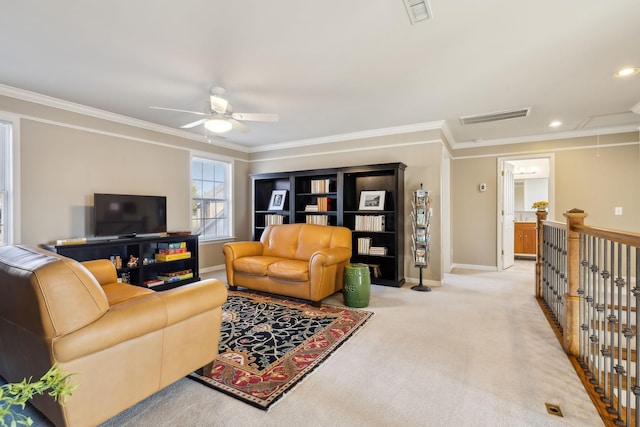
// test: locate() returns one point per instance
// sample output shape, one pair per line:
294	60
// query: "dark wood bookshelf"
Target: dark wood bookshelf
343	187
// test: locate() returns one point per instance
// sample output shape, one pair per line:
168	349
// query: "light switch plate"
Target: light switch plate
618	210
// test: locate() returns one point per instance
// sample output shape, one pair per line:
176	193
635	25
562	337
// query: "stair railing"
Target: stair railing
586	277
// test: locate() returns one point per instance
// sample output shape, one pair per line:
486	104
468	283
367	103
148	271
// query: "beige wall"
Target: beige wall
65	157
591	173
420	151
474	228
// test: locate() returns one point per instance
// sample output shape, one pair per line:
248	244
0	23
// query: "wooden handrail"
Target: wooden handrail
627	238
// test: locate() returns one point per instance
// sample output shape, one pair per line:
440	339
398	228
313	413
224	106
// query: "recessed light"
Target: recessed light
626	72
555	124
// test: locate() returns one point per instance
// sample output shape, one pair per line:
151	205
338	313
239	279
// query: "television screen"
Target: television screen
129	215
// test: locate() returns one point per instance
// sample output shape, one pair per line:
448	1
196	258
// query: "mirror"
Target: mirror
527	191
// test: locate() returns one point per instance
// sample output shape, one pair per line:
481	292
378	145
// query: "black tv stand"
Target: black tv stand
140	247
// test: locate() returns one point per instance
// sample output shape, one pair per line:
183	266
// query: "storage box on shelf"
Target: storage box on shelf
143	261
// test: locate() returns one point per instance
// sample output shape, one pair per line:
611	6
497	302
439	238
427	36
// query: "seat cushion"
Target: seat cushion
254	264
289	269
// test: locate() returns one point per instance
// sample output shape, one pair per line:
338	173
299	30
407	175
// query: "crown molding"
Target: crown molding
352	136
545	137
36	98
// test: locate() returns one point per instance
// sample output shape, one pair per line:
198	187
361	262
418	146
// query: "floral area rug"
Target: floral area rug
268	345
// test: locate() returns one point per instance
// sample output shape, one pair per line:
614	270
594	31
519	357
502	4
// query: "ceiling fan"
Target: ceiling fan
221	117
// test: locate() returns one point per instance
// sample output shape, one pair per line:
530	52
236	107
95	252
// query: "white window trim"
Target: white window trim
216	158
13	178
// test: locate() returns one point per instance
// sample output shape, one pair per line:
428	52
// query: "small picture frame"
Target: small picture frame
277	200
372	200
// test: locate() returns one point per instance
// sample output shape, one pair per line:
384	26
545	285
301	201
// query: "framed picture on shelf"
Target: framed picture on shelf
277	200
372	200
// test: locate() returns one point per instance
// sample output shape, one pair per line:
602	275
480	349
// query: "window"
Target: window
5	183
210	198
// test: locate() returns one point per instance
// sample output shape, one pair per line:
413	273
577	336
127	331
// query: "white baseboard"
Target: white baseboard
416	280
212	269
474	267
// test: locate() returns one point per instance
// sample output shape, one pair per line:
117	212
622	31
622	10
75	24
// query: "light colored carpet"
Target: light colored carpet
475	352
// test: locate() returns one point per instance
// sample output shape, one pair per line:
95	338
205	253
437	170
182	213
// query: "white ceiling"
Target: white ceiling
334	67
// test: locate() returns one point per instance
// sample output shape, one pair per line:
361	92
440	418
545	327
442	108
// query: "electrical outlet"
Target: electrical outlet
618	210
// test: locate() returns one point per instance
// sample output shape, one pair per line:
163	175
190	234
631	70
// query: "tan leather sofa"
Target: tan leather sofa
304	261
122	342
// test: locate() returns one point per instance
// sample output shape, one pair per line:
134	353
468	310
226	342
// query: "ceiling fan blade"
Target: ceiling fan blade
193	124
181	111
238	126
219	105
256	117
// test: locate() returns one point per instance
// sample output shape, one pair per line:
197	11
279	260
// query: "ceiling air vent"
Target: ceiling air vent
418	10
494	117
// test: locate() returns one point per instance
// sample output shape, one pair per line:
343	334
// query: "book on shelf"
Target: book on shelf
311	208
172	248
74	241
320	185
172	257
273	219
175	276
323	204
421	256
364	243
421	215
369	223
317	219
153	282
377	250
421	197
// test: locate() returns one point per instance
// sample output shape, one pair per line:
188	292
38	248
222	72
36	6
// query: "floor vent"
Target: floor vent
554	409
494	117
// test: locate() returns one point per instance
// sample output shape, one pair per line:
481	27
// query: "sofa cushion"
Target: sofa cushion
281	241
289	269
312	239
254	264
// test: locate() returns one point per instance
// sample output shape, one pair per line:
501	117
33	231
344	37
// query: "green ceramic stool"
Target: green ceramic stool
357	285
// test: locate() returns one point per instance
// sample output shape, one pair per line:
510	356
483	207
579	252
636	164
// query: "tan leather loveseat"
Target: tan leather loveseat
303	261
122	342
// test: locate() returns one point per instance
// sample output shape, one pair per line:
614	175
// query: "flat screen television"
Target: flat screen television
127	215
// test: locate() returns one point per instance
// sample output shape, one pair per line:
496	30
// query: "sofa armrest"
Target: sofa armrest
139	316
329	256
128	320
186	301
103	270
235	250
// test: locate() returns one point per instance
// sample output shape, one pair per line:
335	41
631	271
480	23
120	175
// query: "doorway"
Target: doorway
531	181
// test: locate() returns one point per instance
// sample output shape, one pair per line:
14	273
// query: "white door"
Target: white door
507	215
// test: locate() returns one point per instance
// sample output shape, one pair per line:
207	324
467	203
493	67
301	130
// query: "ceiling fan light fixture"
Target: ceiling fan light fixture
218	125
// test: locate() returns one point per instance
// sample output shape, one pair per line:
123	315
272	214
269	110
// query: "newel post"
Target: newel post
571	327
542	216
